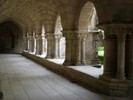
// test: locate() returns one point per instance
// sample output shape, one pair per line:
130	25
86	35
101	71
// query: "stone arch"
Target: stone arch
87	19
11	37
58	25
86	22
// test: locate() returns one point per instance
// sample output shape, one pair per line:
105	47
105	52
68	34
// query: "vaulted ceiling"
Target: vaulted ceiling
30	13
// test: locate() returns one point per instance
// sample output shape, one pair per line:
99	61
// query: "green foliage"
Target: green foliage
101	54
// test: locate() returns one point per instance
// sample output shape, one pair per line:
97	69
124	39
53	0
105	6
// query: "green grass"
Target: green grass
101	54
101	51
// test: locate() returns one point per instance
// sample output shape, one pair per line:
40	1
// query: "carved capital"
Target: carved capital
69	34
82	36
76	35
31	37
120	30
53	36
39	37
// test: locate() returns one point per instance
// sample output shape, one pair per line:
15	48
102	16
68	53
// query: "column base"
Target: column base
39	53
121	76
130	77
105	76
83	62
50	57
72	63
78	63
68	63
115	87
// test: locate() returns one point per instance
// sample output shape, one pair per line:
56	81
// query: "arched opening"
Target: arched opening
60	38
87	22
11	40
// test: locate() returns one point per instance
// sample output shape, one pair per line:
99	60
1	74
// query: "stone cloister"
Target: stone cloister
69	29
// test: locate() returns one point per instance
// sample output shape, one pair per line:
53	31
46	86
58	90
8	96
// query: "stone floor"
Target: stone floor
22	79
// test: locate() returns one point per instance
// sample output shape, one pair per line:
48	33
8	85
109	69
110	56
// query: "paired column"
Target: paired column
110	55
26	43
53	45
39	39
31	43
114	51
39	44
121	55
75	48
129	62
25	38
80	54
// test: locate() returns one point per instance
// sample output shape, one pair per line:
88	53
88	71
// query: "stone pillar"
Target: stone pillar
80	54
39	44
68	53
75	47
83	61
52	45
31	42
45	44
110	53
114	51
121	55
25	39
26	43
129	52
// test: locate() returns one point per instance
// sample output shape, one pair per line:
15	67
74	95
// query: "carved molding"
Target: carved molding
53	36
39	37
119	30
76	35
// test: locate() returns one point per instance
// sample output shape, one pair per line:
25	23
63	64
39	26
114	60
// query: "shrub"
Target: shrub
101	54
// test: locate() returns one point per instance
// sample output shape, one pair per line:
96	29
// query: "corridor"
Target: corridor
22	79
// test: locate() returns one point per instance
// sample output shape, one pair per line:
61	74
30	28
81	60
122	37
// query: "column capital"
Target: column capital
53	36
31	37
76	34
114	28
119	30
39	37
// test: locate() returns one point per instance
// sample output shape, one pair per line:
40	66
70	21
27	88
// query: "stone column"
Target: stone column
52	45
31	42
110	55
39	39
75	47
83	61
80	54
70	48
39	44
57	45
26	43
121	55
25	39
129	52
110	52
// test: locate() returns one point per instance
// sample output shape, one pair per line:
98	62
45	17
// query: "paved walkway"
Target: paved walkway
22	79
